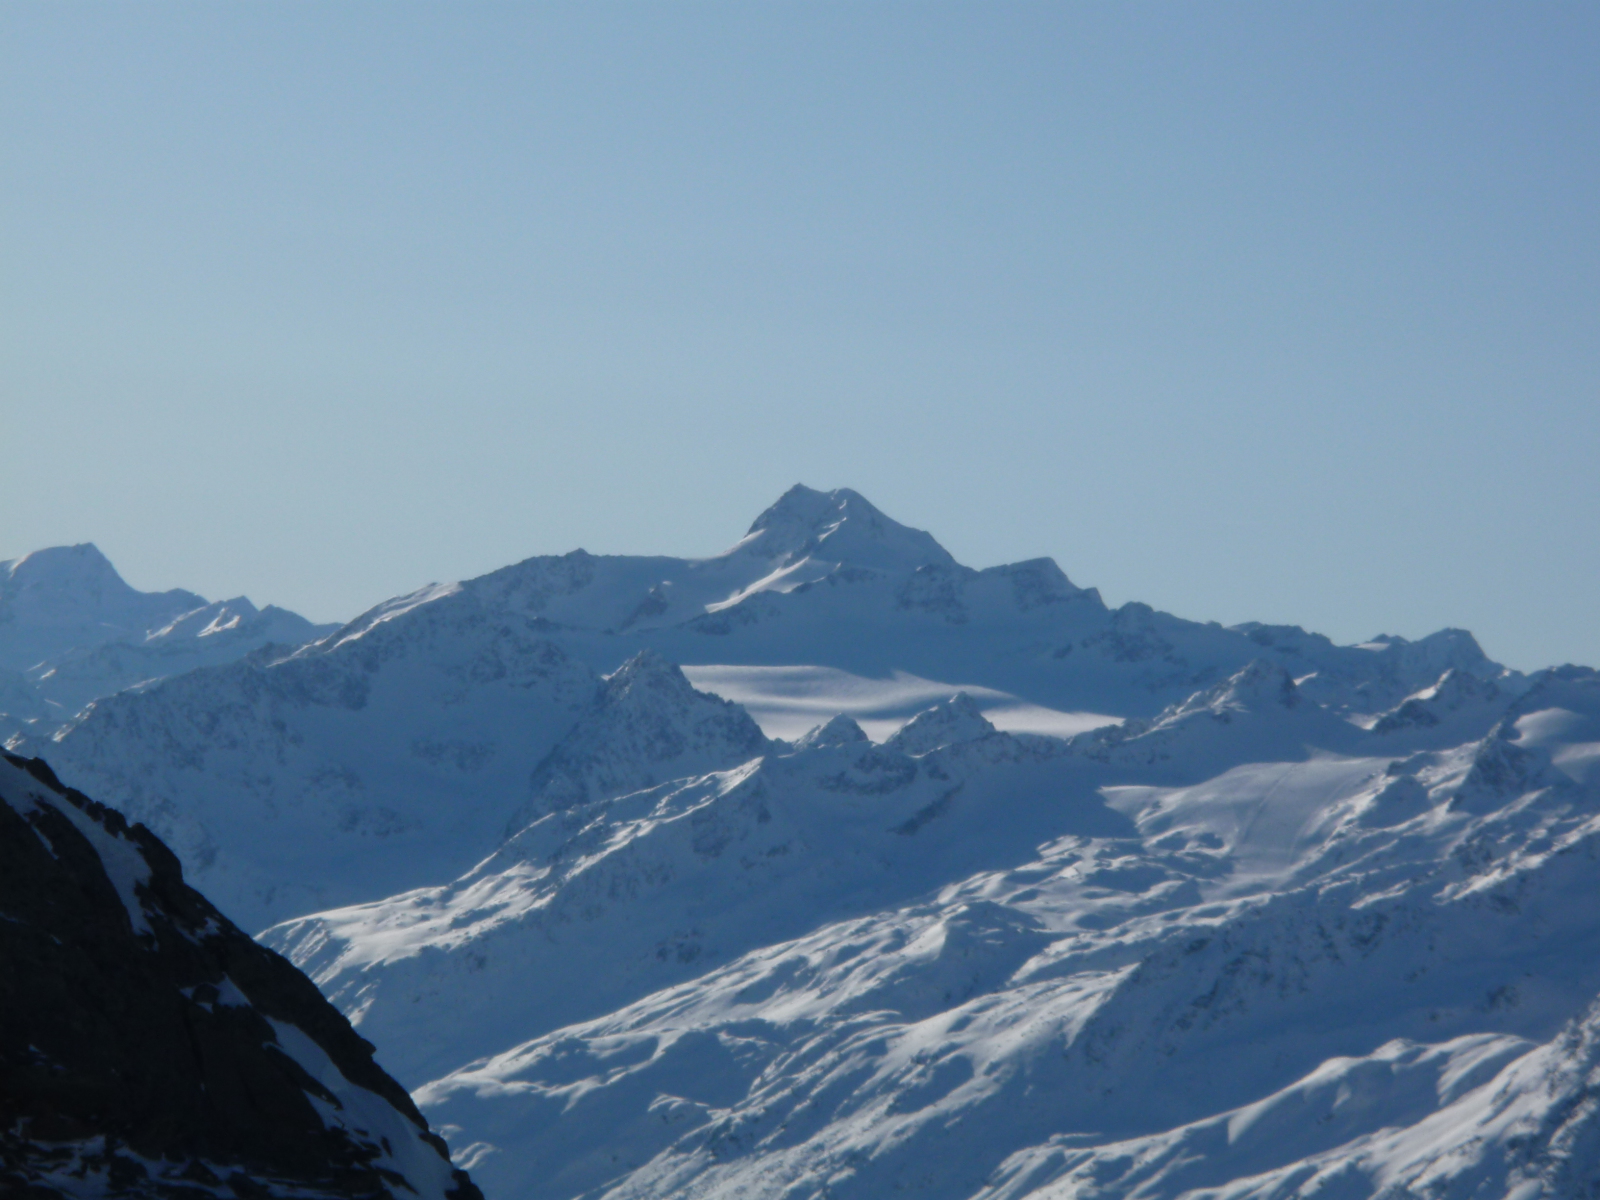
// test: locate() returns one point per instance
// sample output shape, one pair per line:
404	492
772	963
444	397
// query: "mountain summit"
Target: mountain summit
841	527
69	597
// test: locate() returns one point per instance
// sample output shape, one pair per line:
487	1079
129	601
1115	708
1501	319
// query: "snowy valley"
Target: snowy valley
829	867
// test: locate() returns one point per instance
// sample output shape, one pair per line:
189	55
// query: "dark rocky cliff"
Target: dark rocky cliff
149	1048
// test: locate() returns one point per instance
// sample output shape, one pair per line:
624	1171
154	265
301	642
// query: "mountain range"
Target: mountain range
830	867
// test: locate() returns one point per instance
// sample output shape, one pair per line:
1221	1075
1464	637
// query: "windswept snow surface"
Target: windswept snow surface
788	701
980	889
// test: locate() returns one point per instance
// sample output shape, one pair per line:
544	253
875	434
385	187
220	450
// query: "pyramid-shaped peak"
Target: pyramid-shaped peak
1260	685
958	719
840	731
839	526
648	671
648	725
800	505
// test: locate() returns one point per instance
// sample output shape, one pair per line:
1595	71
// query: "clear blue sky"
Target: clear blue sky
1283	311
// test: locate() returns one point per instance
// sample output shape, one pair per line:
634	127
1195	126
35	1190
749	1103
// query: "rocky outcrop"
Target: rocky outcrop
149	1048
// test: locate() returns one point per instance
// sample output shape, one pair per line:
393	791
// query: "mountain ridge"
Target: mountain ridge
1021	636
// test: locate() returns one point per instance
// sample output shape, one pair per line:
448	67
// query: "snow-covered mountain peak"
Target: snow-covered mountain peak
956	720
841	526
648	673
1256	714
1501	771
840	731
208	620
71	597
1448	649
80	568
72	630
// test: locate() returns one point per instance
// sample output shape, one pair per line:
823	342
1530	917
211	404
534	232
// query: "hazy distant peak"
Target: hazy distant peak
71	598
800	506
1444	649
81	561
839	526
79	575
208	619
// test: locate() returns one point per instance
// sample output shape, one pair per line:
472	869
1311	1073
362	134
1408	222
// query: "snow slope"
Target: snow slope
597	903
1312	971
1479	1115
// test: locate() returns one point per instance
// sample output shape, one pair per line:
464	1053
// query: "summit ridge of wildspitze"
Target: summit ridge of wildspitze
831	867
839	527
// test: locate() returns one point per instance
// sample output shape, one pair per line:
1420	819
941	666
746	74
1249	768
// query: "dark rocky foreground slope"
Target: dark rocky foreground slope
149	1048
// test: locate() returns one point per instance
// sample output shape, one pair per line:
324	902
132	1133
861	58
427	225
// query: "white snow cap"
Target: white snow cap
840	526
79	567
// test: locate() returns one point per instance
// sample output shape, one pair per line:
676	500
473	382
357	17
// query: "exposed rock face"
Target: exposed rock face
647	724
149	1048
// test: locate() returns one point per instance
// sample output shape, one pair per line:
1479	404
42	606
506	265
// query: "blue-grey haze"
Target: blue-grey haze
1278	312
